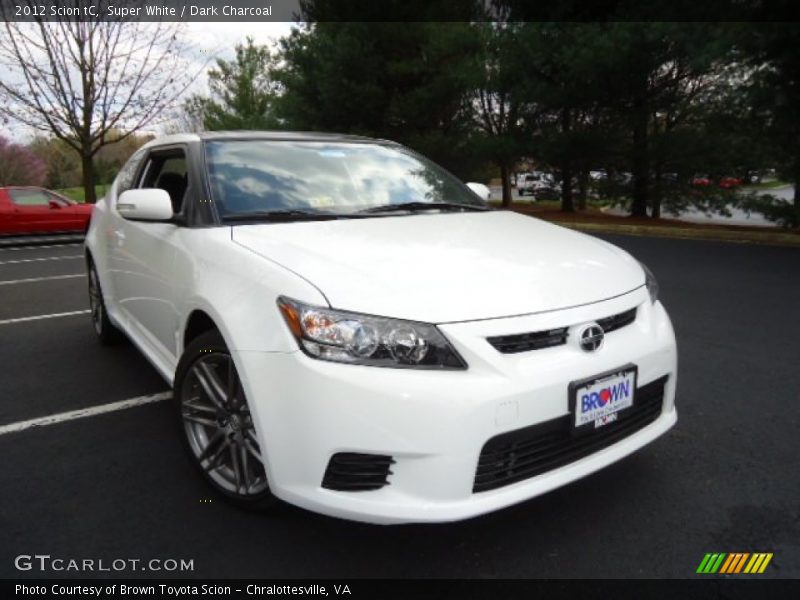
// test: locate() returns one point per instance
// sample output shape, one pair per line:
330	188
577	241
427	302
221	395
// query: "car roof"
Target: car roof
303	136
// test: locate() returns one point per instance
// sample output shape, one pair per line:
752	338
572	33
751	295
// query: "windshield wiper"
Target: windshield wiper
282	216
421	206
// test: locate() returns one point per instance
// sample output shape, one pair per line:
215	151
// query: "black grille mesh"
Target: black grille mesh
353	472
617	321
525	342
525	453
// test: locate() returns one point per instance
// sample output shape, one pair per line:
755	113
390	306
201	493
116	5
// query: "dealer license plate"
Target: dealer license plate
597	401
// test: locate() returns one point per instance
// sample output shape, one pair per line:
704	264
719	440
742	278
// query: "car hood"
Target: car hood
446	267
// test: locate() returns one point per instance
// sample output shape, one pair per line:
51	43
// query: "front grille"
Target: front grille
617	321
525	342
353	472
525	453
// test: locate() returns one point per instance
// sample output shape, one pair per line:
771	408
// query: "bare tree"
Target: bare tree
83	79
187	120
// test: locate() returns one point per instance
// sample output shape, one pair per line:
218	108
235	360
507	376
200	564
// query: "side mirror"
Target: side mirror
54	204
484	192
150	204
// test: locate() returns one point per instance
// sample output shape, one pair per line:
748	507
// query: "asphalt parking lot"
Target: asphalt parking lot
117	485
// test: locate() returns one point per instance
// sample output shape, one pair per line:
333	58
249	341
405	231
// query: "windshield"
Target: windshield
254	176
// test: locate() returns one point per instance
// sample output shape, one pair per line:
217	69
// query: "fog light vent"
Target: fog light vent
354	472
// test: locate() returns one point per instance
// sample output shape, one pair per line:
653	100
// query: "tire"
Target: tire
106	331
216	425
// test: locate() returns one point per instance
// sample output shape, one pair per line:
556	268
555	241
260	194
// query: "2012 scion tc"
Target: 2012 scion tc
349	328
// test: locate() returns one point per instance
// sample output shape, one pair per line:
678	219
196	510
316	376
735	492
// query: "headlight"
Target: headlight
354	338
651	283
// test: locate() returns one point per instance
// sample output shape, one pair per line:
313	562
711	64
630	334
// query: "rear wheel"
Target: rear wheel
218	429
106	331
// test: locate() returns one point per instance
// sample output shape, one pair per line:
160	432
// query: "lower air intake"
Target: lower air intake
354	472
525	453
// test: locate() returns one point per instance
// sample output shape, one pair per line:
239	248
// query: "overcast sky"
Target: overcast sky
208	41
219	39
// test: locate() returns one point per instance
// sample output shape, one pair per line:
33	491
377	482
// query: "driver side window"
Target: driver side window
29	197
167	171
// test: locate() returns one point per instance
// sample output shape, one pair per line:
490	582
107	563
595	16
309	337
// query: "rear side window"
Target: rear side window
30	197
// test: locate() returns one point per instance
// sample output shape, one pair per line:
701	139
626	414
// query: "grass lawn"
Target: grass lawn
767	185
77	194
594	219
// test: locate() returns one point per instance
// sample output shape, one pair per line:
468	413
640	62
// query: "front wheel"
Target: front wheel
106	331
217	424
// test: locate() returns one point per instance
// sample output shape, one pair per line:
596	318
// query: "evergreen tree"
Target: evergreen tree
242	92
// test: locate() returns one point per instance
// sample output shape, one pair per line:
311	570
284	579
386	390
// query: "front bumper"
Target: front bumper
434	424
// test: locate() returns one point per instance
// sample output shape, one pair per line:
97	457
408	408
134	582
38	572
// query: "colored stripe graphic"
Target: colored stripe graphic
703	563
711	562
755	562
765	563
741	562
728	563
734	562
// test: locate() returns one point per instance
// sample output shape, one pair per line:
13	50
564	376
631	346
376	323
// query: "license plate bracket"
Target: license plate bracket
596	401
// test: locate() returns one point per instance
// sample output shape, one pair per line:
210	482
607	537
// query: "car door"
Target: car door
144	255
31	212
7	219
64	214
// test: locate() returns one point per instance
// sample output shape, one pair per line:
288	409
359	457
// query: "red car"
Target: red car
729	182
36	210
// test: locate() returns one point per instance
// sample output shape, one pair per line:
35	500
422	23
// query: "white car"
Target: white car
538	183
347	327
529	183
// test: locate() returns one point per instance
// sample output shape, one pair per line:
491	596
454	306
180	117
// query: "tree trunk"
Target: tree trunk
505	178
640	162
657	193
610	189
87	164
567	202
583	188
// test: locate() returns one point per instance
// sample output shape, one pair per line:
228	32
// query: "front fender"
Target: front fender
238	290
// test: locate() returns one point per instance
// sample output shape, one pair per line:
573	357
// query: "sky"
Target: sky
207	40
219	39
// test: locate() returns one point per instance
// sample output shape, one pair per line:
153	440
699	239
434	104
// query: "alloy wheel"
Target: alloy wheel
219	426
95	301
